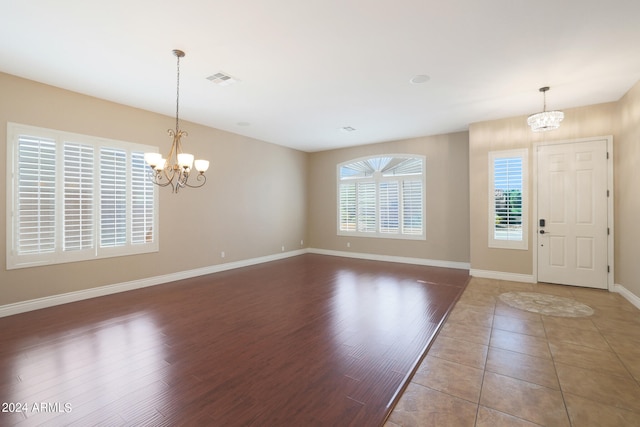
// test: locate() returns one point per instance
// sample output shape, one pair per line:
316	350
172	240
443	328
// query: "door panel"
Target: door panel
572	199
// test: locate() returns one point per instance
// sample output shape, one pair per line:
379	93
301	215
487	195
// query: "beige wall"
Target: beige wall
260	196
627	191
504	134
447	206
253	203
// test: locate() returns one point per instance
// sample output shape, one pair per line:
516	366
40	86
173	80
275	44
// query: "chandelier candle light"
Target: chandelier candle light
546	120
175	169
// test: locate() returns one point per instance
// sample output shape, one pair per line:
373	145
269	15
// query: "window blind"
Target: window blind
366	207
389	207
347	207
142	201
113	197
36	207
78	197
508	198
412	202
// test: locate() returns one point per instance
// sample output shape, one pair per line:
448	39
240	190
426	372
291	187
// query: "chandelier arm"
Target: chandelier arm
172	157
199	177
177	141
156	176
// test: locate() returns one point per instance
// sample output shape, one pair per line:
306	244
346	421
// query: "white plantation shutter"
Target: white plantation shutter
382	196
347	207
389	207
507	194
142	201
507	173
36	206
367	207
78	191
76	197
113	197
412	206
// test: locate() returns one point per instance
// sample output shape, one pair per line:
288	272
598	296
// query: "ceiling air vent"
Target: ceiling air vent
222	79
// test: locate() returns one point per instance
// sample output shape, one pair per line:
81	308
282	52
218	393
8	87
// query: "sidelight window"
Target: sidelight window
508	199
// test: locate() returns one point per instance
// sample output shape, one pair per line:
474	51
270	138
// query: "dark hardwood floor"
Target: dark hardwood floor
307	341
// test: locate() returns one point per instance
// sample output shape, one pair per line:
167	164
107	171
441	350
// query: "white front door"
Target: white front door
572	213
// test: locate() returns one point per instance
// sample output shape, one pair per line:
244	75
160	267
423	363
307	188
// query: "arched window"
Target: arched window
382	196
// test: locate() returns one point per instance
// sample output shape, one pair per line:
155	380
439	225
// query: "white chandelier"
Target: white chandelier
175	169
546	120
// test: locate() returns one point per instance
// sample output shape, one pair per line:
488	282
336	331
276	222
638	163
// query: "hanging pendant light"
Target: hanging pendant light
546	120
176	169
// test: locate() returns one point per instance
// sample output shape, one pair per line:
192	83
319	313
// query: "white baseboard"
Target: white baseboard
501	275
36	304
390	258
627	294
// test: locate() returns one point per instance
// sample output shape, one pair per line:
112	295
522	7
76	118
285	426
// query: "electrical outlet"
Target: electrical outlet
283	249
222	254
348	244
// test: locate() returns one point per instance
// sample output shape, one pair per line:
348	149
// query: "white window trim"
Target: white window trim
13	260
523	244
377	180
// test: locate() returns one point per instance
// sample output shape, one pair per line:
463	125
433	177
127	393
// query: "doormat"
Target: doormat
549	305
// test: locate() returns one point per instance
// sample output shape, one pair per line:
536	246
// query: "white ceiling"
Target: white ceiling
308	68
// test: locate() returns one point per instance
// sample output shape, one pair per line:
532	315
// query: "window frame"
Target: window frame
60	254
523	155
377	179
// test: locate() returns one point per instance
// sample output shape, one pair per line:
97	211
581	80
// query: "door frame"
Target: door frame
610	202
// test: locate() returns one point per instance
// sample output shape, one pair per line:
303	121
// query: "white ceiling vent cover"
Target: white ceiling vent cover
222	79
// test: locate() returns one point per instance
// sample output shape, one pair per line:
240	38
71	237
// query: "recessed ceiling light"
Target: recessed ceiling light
419	78
222	79
347	129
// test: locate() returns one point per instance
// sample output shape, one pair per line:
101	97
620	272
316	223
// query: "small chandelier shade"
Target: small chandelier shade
546	120
176	168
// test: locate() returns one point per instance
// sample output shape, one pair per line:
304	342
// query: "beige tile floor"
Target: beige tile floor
494	365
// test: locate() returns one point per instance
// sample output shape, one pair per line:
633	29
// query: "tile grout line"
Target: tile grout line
617	356
484	367
555	369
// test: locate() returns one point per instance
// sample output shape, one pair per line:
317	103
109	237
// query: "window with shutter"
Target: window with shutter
107	206
366	215
78	199
36	193
389	209
412	207
347	207
507	199
142	201
382	196
113	197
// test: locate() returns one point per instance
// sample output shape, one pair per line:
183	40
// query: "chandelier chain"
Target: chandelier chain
177	93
